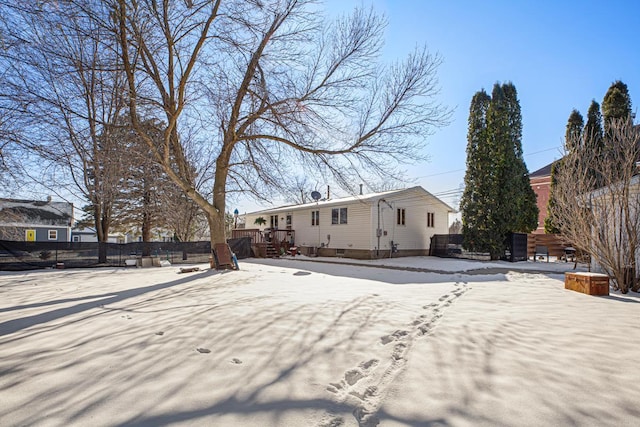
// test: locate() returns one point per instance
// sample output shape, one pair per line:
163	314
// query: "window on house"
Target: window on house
430	219
274	221
76	238
315	217
339	216
400	216
53	234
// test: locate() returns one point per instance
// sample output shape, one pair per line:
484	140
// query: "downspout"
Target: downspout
379	230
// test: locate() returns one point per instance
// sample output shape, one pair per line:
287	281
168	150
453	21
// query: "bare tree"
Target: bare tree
299	191
11	113
67	82
598	201
282	89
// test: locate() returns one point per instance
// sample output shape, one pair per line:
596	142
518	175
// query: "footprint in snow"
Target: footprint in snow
386	339
369	364
333	422
425	328
203	350
400	334
236	361
398	351
301	273
353	376
160	333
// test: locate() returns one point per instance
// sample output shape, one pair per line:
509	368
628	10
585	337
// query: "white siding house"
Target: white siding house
364	226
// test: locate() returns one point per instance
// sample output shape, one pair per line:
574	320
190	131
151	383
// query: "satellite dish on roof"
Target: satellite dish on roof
315	195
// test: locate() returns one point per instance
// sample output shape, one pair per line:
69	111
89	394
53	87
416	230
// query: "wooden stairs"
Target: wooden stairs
268	250
272	251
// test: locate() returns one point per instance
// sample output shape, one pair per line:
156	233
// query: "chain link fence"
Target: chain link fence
36	255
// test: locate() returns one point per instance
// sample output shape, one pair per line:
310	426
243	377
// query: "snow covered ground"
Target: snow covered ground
302	342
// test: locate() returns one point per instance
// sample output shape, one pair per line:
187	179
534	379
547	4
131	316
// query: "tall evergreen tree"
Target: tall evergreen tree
475	203
550	226
516	199
616	112
573	139
504	200
593	138
593	132
573	133
616	104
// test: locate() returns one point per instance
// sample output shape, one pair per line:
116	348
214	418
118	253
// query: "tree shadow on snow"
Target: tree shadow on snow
93	301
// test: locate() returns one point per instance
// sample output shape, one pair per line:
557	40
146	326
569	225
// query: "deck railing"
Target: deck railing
266	236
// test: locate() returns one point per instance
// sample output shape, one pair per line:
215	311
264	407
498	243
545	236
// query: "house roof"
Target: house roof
365	198
35	212
543	171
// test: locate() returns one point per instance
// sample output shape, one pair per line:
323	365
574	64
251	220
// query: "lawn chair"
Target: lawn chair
541	252
224	258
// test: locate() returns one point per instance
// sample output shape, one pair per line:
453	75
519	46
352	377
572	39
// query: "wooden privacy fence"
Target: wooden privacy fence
552	242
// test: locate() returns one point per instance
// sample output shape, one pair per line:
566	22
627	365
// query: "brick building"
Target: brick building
541	183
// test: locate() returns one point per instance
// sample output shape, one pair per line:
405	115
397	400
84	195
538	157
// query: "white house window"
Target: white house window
339	216
53	234
274	221
430	219
315	217
400	216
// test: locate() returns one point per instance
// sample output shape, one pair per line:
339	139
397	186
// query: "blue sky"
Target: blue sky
559	54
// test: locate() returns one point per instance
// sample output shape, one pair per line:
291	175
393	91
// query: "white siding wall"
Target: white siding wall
362	223
352	235
249	221
414	234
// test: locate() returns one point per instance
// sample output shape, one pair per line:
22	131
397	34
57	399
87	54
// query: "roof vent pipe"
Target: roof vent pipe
361	189
328	193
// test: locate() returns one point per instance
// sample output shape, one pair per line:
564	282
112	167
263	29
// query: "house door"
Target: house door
289	221
30	235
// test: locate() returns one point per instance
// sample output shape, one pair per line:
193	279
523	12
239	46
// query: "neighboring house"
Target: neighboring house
540	181
35	221
363	226
615	225
84	234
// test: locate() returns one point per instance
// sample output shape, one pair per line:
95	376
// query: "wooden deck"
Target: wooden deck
267	243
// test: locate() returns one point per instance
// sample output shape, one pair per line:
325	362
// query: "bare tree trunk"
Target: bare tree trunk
102	232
